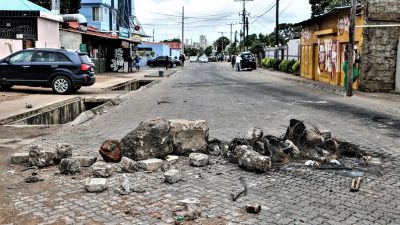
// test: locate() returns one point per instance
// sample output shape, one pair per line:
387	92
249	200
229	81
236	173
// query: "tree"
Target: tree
191	51
319	7
66	6
220	43
208	50
173	40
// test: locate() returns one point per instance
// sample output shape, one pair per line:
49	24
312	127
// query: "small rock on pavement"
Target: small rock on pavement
291	149
125	186
110	150
189	135
70	166
256	209
40	158
254	133
96	184
172	176
172	159
198	159
20	158
128	165
102	169
63	151
33	179
151	165
192	208
86	161
251	160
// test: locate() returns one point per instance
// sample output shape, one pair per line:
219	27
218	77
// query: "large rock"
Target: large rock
96	184
149	140
129	165
198	159
102	169
252	160
189	136
110	150
63	151
86	161
39	157
70	166
172	176
150	165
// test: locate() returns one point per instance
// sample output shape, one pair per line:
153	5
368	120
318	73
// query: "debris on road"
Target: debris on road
189	136
198	159
243	192
192	208
311	163
165	100
39	157
171	159
33	179
128	165
20	158
355	184
334	162
251	160
125	188
102	169
150	165
28	105
110	150
255	209
85	161
172	176
70	166
96	184
63	151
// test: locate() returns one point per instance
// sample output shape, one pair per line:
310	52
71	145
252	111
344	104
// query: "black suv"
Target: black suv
160	61
64	71
248	61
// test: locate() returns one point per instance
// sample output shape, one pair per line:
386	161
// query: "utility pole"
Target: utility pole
277	30
244	20
222	40
230	49
153	35
183	31
247	30
349	91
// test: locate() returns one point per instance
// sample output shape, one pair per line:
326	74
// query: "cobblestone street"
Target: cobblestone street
231	103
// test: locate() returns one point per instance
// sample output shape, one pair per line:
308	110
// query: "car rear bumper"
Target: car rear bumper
85	81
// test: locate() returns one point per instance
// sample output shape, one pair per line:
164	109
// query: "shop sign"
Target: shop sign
136	38
83	48
123	32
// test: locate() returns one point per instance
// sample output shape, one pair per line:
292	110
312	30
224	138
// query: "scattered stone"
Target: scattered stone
102	169
198	159
70	166
40	158
251	160
151	165
334	162
166	166
96	184
110	150
128	165
189	136
33	179
214	147
172	176
192	208
254	133
125	188
150	139
256	209
63	151
172	159
85	160
311	163
20	158
291	149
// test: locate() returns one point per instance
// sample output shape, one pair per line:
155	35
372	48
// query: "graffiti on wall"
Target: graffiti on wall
327	57
343	25
117	64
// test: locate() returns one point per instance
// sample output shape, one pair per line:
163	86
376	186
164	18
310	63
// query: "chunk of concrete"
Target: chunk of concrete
251	160
86	161
171	159
128	165
189	136
83	117
63	151
70	166
150	139
40	158
253	133
20	158
96	184
102	169
192	208
172	176
151	165
198	159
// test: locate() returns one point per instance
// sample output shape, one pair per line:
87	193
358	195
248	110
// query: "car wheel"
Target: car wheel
170	65
61	85
4	87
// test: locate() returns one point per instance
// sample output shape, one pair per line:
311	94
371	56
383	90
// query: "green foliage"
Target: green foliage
270	63
173	40
191	51
286	66
276	63
220	43
296	68
208	51
152	53
264	62
319	7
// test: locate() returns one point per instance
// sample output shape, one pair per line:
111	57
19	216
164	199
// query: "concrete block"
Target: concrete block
172	176
172	158
19	158
150	165
198	159
85	160
96	184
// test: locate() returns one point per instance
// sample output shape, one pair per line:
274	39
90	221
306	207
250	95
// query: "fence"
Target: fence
288	52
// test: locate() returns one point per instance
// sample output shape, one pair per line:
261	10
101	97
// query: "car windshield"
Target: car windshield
247	56
85	59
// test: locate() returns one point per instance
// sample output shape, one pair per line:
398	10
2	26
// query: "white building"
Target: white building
203	42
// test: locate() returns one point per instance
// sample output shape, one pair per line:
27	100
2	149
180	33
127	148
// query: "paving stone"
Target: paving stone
96	184
151	165
198	159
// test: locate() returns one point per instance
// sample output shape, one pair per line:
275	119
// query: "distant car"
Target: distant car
193	59
62	70
177	62
212	59
203	59
248	61
161	61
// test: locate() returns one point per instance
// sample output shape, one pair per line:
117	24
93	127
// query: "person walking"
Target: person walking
238	61
137	62
233	61
166	62
182	59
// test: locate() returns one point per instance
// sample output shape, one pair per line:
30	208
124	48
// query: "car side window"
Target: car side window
21	57
46	57
63	58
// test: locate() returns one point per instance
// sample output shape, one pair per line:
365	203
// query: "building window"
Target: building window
96	14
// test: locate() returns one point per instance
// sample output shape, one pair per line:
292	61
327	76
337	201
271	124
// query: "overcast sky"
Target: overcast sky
208	17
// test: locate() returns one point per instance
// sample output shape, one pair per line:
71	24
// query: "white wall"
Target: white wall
8	46
293	50
70	40
48	34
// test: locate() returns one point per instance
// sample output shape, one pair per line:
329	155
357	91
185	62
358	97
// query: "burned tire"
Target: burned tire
61	85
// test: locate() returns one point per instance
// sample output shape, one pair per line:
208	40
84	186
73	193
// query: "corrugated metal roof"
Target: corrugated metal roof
23	5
